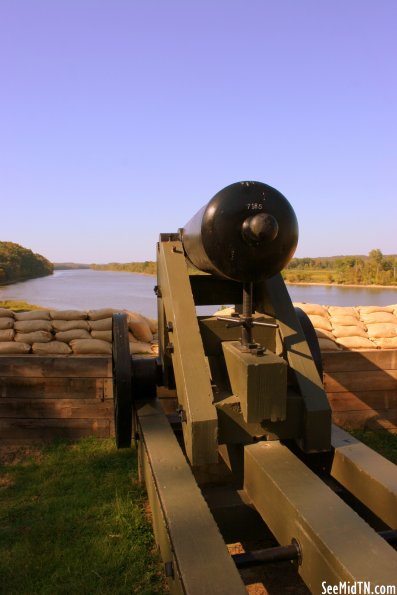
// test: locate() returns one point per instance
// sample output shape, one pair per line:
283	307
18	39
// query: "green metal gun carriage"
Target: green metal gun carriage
252	412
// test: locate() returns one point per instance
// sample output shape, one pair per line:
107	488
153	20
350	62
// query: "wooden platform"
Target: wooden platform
43	397
362	388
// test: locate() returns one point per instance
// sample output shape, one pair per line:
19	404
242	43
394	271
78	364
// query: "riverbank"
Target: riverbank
358	285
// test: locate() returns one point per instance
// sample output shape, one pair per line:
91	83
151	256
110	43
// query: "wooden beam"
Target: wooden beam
188	537
371	478
22	387
191	369
37	366
48	429
359	361
336	544
316	427
360	380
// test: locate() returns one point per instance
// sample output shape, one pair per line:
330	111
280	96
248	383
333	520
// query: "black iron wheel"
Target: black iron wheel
122	389
311	338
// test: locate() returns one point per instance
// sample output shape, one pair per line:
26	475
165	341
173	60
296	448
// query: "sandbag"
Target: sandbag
225	311
102	335
7	334
322	334
6	313
68	314
354	343
388	343
36	337
131	338
378	317
371	309
139	327
76	333
140	348
101	325
68	325
343	311
346	321
328	345
33	315
312	309
349	331
153	325
101	313
385	330
93	346
320	322
29	326
6	323
51	348
14	348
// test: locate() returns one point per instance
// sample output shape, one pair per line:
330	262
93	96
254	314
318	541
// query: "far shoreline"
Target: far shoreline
374	286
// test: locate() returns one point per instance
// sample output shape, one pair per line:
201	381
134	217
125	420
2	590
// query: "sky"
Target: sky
119	119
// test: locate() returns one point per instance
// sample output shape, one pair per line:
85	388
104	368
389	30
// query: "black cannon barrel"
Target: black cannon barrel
247	232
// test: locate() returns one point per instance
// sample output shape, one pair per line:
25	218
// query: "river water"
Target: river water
88	289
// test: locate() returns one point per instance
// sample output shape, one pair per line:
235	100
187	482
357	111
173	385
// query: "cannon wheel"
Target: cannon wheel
122	389
311	338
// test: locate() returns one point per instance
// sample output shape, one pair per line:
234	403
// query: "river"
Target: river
88	289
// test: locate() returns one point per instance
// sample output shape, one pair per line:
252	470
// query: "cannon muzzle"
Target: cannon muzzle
247	232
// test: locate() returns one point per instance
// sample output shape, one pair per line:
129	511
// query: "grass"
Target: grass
379	440
72	520
19	306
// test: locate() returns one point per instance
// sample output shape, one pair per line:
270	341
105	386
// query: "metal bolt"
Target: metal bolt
182	413
169	569
170	327
169	348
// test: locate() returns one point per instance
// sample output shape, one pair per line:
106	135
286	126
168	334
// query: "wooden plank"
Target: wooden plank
335	542
190	365
47	429
360	381
37	366
50	388
55	408
366	474
316	427
184	527
358	361
369	418
361	400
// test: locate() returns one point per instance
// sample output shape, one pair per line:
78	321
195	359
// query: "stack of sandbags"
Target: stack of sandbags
72	327
381	325
321	320
347	328
7	334
353	328
142	334
64	332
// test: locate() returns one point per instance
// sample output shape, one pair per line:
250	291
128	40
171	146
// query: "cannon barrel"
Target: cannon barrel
247	232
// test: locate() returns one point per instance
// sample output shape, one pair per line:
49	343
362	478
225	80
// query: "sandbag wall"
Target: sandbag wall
66	332
56	372
359	353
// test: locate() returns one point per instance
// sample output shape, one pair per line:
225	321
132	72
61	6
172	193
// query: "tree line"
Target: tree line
148	267
18	263
373	269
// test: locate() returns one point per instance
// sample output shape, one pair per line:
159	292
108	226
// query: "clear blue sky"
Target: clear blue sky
119	119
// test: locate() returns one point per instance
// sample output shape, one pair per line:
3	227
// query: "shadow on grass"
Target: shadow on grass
74	521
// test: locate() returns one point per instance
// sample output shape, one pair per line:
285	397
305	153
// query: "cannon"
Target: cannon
252	415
